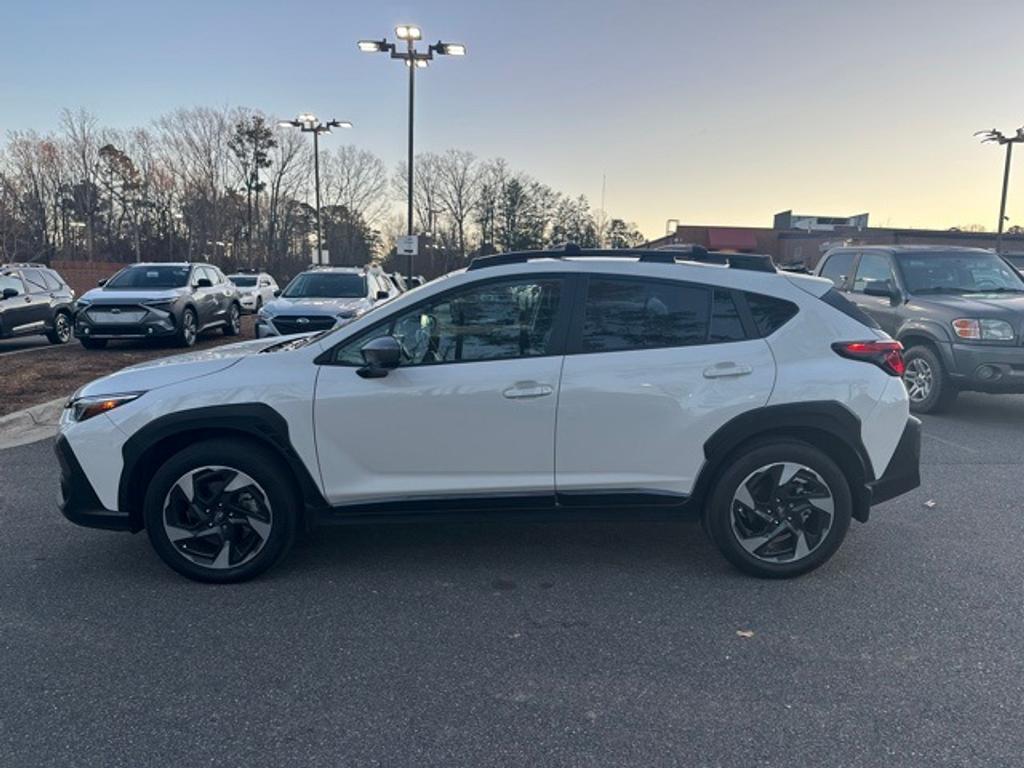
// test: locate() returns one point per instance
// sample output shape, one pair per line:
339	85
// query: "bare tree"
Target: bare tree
357	180
458	186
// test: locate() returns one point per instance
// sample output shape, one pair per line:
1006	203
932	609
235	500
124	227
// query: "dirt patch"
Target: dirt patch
30	378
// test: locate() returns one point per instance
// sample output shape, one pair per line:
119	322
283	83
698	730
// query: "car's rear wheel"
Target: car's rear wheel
61	333
93	343
188	328
780	509
234	324
928	385
221	511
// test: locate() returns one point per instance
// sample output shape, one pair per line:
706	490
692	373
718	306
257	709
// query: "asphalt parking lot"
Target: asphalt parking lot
589	644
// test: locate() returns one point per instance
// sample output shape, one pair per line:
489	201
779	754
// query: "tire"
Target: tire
233	327
93	343
928	384
253	529
188	328
763	538
61	333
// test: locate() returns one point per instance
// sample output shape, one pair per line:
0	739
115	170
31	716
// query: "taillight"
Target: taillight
887	355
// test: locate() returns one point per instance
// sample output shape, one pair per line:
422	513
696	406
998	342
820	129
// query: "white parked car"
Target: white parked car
564	381
254	289
322	297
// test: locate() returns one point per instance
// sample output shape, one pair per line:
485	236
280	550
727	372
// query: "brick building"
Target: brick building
802	239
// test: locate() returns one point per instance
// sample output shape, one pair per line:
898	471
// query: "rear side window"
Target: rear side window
726	324
836	300
769	314
642	314
34	281
838	267
53	282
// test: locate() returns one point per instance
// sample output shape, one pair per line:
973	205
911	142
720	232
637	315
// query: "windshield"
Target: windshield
326	285
243	281
958	273
150	277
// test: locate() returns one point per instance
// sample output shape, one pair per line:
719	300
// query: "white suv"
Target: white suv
254	289
564	381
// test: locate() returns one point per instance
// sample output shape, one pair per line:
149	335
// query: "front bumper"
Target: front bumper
904	471
988	368
154	323
247	301
77	499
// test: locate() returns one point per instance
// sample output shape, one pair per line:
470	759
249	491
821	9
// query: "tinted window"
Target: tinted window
34	280
838	267
641	314
725	319
243	282
158	276
873	267
769	313
485	322
326	285
836	300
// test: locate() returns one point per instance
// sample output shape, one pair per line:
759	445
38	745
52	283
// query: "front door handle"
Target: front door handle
527	389
726	370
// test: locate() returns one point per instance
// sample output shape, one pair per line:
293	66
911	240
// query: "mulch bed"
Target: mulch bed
31	378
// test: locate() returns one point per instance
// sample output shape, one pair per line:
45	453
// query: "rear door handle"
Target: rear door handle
726	370
527	389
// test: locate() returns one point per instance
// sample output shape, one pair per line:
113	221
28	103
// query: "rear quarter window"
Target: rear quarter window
769	313
836	300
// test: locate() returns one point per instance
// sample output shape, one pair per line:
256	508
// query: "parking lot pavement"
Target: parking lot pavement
588	644
21	343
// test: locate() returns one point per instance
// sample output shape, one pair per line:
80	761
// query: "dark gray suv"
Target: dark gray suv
35	300
958	311
150	301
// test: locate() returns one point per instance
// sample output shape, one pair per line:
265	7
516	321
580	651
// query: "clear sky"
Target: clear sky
717	112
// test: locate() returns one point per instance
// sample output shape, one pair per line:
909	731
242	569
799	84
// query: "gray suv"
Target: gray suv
958	311
151	301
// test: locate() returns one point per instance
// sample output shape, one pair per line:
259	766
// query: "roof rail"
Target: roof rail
664	255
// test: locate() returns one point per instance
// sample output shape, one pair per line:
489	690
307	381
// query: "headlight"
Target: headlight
83	408
163	305
82	303
265	313
983	330
347	314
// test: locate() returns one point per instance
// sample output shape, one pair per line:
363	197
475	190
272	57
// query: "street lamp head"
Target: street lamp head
306	117
287	124
372	46
408	32
450	49
421	63
339	124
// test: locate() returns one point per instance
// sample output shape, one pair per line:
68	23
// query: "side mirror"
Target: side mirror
381	355
10	293
882	289
383	295
101	283
277	293
204	282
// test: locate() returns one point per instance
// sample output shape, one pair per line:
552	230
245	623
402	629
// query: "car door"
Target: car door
876	268
469	412
653	369
224	294
39	302
16	311
205	297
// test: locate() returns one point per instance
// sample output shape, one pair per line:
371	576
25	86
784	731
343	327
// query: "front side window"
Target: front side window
494	321
838	267
643	314
150	277
958	272
873	268
11	282
326	285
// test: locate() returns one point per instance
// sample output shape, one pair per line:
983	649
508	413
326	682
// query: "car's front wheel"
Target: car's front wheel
61	332
780	509
221	511
928	386
233	327
188	328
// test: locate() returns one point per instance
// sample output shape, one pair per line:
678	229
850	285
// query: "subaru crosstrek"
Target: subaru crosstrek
562	381
152	301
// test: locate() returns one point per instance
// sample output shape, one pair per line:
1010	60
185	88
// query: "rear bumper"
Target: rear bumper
904	470
77	499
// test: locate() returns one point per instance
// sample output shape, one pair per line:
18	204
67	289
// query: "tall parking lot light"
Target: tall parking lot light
308	123
997	137
414	59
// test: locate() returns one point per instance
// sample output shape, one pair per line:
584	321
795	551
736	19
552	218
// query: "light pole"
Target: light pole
410	33
308	123
998	138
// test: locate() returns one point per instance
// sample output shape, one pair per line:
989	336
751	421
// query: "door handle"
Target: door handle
527	389
726	370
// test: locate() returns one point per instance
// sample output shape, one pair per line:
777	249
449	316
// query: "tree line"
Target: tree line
231	186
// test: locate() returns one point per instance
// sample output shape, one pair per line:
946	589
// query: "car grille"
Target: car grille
116	315
287	324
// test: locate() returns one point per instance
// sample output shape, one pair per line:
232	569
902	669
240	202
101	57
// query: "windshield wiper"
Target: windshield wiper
941	289
1000	289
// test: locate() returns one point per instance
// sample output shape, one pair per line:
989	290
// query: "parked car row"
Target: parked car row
180	301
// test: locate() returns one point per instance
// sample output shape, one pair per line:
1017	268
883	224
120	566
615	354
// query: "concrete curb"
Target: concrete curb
31	425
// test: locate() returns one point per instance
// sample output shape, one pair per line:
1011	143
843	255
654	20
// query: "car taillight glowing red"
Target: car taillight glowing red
887	355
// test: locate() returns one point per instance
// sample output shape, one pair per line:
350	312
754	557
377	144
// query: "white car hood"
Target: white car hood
175	369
